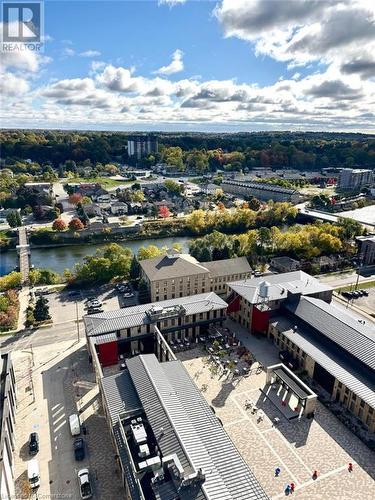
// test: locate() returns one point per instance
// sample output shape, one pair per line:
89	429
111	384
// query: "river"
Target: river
61	258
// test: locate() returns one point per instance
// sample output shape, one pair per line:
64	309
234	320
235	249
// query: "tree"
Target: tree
14	219
75	224
75	198
150	252
11	280
164	212
143	292
135	269
41	310
254	204
58	225
173	186
85	200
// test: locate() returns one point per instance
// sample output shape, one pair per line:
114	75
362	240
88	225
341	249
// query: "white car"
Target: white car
84	484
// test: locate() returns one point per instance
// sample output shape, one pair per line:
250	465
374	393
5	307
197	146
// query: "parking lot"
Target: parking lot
65	305
53	384
366	302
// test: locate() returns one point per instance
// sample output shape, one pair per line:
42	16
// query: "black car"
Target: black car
79	449
33	443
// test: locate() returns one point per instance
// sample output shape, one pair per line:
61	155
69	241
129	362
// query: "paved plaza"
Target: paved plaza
52	383
298	448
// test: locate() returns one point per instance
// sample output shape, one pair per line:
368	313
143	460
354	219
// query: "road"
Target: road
349	277
41	336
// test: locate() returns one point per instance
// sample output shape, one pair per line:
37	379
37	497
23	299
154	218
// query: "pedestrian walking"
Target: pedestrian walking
292	487
315	475
277	471
350	467
287	489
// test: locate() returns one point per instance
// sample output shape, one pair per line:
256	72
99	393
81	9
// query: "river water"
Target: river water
62	258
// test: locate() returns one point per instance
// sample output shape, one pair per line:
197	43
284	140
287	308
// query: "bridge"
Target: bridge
23	251
305	213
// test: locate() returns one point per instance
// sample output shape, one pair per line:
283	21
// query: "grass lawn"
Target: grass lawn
105	182
348	288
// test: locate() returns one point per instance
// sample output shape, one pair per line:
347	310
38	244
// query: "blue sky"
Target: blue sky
197	65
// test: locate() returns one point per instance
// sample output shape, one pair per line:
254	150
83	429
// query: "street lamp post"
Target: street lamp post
77	321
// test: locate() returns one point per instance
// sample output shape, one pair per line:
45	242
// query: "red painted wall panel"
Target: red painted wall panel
234	306
260	321
108	353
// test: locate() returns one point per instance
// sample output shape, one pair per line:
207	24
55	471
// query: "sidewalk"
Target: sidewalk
24	297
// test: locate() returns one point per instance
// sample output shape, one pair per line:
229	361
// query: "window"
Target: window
362	403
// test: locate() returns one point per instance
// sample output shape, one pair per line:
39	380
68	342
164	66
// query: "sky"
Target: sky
175	65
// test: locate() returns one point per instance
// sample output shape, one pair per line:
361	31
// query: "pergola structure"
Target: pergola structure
289	394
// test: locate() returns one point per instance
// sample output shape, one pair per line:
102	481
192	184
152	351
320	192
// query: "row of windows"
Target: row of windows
284	343
188	279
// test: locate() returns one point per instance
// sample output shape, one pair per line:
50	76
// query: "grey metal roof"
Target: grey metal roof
111	321
120	395
226	267
173	403
360	381
338	326
238	478
171	266
295	282
263	186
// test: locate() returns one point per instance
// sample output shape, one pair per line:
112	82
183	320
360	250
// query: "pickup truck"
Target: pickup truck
84	484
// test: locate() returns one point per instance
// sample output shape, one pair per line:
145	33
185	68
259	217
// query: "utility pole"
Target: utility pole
360	261
77	321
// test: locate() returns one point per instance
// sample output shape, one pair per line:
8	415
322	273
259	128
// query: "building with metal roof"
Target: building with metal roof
340	327
179	275
131	330
261	190
336	351
173	446
251	301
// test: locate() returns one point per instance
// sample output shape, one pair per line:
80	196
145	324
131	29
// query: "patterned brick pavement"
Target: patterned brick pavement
298	448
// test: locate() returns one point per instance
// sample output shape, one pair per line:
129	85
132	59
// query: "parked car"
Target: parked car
365	293
93	304
33	473
79	449
356	294
94	310
33	443
85	488
74	424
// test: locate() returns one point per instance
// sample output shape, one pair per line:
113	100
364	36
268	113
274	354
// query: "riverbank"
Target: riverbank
60	257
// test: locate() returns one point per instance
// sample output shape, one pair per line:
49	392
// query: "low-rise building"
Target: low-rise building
354	178
334	349
252	302
7	426
178	275
366	249
285	264
131	330
169	443
262	191
119	208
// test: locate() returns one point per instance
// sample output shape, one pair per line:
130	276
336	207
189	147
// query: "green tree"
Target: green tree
41	310
143	292
11	280
14	219
135	269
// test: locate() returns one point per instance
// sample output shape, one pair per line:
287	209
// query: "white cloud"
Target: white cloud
12	85
175	66
301	31
68	52
90	53
171	3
